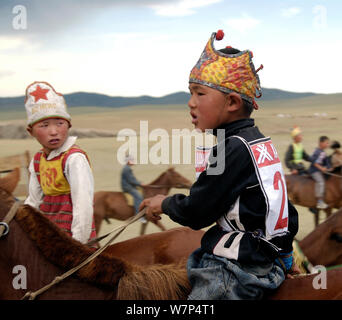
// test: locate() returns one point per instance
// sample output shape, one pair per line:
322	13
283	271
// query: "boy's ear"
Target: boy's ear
29	130
234	102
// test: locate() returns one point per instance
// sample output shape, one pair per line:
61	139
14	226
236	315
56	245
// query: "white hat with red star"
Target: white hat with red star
43	102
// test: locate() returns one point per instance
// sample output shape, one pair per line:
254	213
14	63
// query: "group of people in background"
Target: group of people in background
319	162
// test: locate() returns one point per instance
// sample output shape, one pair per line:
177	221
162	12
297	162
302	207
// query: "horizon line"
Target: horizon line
175	92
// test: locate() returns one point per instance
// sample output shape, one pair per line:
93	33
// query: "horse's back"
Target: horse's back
165	247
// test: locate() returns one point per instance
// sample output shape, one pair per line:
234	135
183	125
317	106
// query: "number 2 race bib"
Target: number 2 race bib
272	181
271	177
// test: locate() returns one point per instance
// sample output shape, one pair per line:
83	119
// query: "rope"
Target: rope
303	262
333	174
32	295
4	228
164	186
300	259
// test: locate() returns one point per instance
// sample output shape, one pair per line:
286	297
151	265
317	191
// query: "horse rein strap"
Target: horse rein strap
4	228
164	186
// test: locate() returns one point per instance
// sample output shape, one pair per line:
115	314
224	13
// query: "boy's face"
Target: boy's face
50	133
324	144
298	138
207	107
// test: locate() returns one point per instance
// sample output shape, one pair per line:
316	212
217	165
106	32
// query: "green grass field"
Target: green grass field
320	115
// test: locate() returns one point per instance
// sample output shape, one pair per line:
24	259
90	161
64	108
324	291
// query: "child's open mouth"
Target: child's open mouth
54	141
194	118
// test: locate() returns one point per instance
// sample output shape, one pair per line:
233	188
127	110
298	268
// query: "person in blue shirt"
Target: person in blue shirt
319	165
129	183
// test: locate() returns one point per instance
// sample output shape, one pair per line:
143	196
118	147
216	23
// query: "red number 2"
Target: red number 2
281	223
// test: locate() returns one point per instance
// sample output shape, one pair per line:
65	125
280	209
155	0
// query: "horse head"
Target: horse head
10	181
336	159
324	244
176	180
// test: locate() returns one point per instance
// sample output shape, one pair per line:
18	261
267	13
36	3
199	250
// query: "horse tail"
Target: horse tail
156	282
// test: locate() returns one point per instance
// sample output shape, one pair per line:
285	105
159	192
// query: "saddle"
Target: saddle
129	199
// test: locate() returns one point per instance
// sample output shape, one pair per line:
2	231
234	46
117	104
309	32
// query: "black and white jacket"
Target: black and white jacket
251	225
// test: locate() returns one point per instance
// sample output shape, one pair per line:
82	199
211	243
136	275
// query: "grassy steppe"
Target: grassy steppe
319	115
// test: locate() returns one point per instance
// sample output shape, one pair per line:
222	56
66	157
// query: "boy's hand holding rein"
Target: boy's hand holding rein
153	207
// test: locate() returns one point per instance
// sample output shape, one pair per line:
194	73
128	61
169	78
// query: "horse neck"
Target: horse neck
164	181
19	249
314	243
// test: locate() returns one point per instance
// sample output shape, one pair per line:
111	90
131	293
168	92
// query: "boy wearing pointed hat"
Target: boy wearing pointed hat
61	182
249	249
295	154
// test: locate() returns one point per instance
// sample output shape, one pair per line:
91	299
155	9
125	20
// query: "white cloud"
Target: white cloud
181	8
12	43
242	24
291	12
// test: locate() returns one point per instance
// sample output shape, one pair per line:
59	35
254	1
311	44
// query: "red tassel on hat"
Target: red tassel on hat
219	34
260	68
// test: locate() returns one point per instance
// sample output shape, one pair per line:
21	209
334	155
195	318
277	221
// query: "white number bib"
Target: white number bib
272	181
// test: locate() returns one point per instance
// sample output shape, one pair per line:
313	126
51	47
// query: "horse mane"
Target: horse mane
156	282
66	252
165	282
155	181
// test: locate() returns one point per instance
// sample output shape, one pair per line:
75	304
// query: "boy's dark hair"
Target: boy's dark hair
335	145
247	106
323	138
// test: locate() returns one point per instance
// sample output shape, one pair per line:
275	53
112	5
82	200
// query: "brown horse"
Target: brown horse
10	181
113	205
301	189
46	251
171	246
322	246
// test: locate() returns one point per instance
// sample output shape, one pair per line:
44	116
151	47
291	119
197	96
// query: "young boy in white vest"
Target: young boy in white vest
248	252
61	182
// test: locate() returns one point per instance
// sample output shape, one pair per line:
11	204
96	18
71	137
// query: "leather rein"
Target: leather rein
4	225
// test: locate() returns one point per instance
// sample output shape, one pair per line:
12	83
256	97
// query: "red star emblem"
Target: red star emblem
39	93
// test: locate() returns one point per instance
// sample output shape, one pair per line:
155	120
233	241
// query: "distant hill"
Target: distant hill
100	100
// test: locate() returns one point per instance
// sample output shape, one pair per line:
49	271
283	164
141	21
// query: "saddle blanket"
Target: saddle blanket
129	199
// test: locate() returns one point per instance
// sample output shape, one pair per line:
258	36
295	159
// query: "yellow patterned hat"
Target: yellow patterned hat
295	131
227	72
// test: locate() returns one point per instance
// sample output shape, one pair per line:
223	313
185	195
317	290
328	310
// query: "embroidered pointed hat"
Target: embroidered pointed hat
227	72
43	102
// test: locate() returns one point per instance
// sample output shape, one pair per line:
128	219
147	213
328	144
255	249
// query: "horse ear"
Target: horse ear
10	181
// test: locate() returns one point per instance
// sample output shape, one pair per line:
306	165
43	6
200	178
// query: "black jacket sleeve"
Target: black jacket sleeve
211	195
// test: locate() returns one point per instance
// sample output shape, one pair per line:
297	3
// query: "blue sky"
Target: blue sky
148	47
